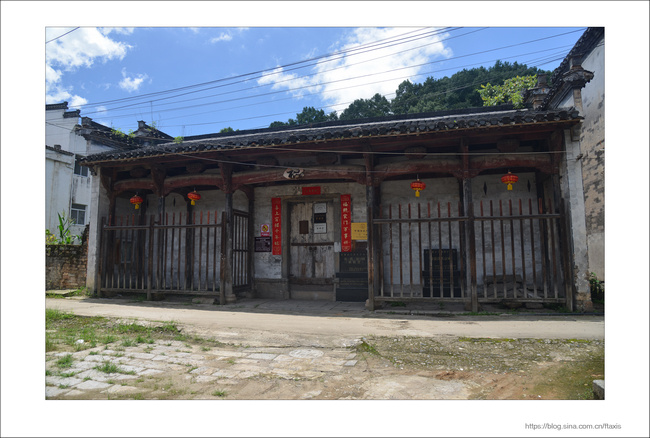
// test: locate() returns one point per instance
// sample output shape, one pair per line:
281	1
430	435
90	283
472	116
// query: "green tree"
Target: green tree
511	91
308	115
376	106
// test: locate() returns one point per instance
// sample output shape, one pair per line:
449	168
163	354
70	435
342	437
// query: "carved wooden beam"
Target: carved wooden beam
134	185
540	162
177	182
442	165
348	172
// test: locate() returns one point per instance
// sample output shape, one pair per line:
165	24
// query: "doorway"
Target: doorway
311	249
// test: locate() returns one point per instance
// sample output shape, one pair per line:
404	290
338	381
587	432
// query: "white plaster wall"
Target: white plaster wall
58	179
58	129
63	188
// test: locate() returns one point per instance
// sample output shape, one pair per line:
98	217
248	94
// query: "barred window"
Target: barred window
78	214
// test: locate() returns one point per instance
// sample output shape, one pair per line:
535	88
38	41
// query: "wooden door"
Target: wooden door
311	245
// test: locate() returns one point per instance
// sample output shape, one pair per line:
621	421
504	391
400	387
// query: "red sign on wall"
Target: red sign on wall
276	207
311	190
346	223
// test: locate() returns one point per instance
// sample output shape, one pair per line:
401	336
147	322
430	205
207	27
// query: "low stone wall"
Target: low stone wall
65	266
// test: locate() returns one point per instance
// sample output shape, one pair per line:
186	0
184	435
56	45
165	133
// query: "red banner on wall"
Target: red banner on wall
346	223
276	207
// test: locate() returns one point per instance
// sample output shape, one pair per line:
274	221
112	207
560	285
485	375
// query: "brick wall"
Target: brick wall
65	265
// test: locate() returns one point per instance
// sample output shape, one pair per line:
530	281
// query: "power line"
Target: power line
277	82
360	47
54	39
308	86
248	74
546	60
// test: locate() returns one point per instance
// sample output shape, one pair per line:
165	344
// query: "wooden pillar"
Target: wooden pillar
251	241
470	242
469	234
372	202
227	296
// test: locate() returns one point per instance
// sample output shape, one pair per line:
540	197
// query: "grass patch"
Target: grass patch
65	361
365	347
573	380
108	368
219	393
108	339
52	315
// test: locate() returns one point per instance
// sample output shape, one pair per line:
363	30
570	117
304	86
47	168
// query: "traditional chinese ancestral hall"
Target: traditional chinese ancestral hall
464	206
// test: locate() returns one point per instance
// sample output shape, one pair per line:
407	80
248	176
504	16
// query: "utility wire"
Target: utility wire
319	84
360	47
274	84
54	39
308	86
273	71
472	54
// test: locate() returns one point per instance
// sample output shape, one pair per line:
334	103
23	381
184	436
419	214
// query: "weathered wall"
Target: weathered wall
65	266
58	179
269	269
592	142
446	191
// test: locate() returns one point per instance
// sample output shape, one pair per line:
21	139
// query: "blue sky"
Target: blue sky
255	75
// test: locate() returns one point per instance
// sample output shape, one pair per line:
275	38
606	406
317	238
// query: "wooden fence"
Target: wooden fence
510	250
172	254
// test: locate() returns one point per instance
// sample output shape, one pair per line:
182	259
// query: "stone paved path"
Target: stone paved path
224	366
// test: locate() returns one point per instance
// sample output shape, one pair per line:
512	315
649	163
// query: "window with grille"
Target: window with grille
78	214
79	169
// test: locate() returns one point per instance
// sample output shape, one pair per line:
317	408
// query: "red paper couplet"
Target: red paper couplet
346	223
276	207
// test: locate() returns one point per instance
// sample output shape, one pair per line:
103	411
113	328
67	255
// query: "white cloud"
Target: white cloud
58	94
228	35
223	37
80	48
118	30
131	83
334	79
297	86
52	76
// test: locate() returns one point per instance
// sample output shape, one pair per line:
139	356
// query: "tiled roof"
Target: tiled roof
586	43
56	106
477	118
59	150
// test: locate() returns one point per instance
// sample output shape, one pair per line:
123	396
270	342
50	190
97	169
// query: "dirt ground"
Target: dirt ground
373	368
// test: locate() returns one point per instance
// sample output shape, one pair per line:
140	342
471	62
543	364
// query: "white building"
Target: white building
67	184
69	136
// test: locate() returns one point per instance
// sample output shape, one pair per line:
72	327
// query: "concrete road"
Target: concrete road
329	324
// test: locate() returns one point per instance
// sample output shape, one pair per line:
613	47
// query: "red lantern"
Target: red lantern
417	186
194	197
509	179
137	200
